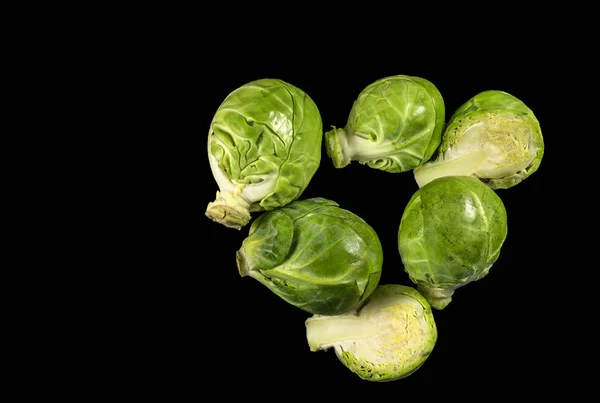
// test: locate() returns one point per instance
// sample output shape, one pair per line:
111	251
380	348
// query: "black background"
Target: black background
493	332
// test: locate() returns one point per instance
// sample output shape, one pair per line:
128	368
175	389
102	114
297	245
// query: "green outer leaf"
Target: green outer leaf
493	100
312	297
440	115
333	262
265	127
451	232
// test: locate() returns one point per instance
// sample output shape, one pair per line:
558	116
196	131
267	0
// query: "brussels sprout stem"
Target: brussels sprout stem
324	331
438	298
242	263
228	209
337	147
464	165
343	147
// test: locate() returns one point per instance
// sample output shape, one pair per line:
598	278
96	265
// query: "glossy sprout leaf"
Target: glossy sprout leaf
314	255
394	125
450	234
388	338
264	147
493	136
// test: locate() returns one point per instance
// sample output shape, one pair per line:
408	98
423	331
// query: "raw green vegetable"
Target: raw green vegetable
388	338
494	137
394	125
264	146
450	235
314	255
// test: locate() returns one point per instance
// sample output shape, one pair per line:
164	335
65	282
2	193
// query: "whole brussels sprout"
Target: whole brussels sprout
494	137
450	234
314	255
394	125
264	146
387	338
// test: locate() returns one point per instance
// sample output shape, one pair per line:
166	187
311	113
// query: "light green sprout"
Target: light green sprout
494	137
394	125
388	338
264	147
314	255
450	234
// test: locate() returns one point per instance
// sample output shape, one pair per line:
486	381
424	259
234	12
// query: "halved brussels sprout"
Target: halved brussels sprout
314	255
394	125
450	235
388	338
494	137
264	146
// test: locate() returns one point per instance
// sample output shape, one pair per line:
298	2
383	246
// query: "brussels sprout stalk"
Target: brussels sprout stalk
229	210
438	298
235	201
464	165
242	263
246	268
330	330
387	338
343	147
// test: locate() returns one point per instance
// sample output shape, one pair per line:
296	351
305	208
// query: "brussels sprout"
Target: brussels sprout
264	146
494	137
388	338
314	255
394	125
450	234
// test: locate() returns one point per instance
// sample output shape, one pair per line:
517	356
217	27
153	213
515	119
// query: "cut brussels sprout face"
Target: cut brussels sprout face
264	146
394	125
450	235
494	137
314	255
389	337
